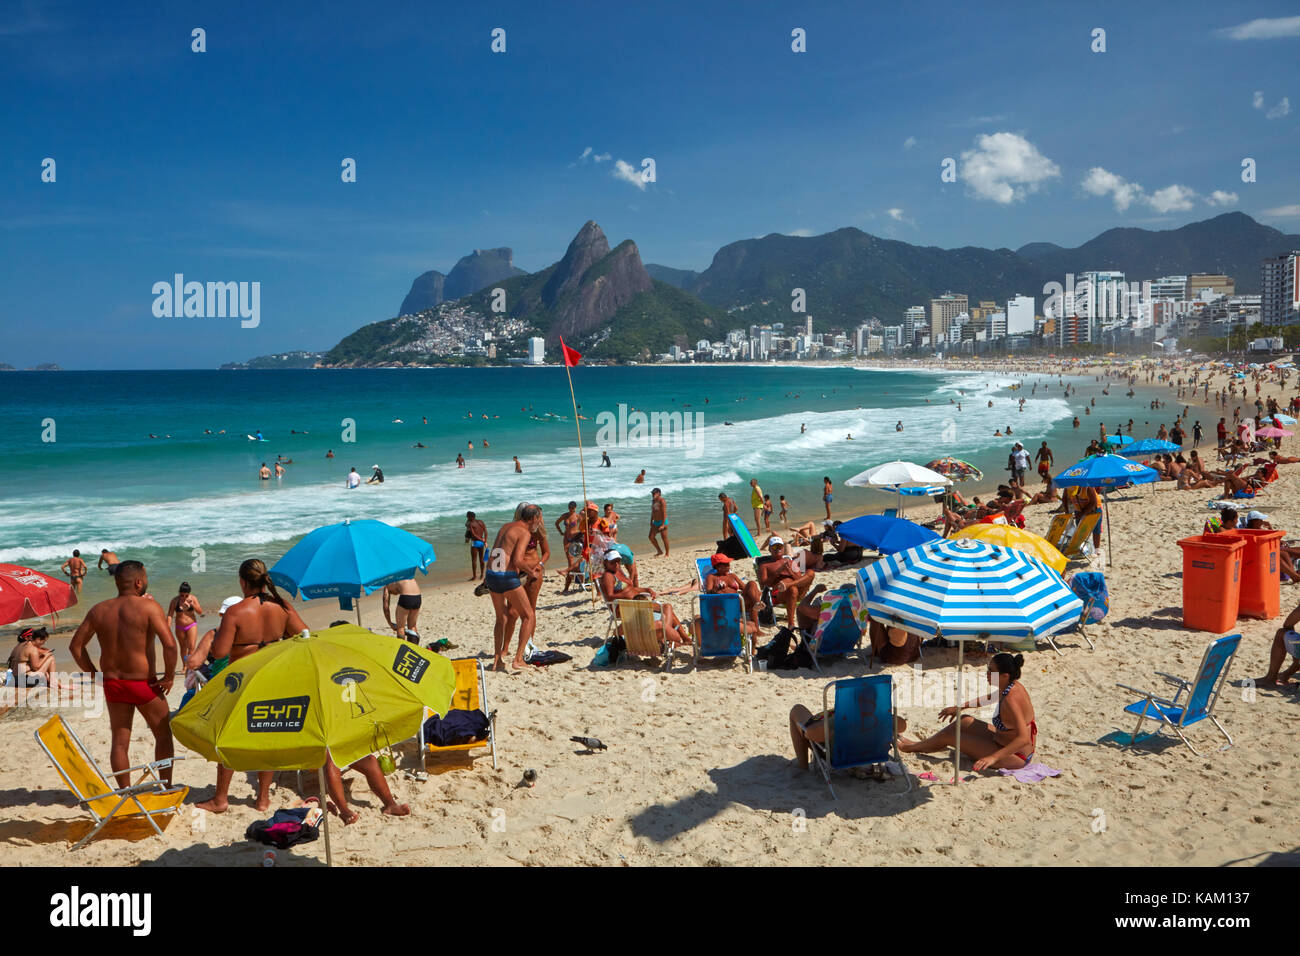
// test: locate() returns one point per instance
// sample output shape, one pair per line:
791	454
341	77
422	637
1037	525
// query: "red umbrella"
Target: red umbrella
25	593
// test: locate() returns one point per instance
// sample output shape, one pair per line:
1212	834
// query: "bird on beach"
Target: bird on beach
591	743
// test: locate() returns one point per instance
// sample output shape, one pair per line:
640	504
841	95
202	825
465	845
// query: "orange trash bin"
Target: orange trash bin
1211	581
1261	578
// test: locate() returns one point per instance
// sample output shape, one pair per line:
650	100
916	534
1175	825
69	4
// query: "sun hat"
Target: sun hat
1257	516
774	540
230	602
612	555
720	558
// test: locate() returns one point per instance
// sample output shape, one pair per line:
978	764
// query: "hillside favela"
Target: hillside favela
849	438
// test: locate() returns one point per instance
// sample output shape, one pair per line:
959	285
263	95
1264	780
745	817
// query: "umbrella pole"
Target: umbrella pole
956	754
358	610
1109	548
329	857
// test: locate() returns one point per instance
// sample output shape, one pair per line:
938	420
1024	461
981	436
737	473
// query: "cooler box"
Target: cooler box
1211	581
1261	582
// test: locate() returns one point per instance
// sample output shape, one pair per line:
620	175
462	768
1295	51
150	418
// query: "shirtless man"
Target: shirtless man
279	468
183	614
476	538
658	521
640	478
264	473
509	568
108	560
788	584
405	622
262	617
126	627
75	569
728	509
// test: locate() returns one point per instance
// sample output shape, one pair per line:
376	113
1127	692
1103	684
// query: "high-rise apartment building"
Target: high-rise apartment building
1279	288
943	311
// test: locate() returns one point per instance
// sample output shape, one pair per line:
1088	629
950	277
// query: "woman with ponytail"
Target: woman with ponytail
261	618
1008	741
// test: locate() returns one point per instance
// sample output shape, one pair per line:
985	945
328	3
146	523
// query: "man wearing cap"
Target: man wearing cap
377	478
721	580
182	615
788	584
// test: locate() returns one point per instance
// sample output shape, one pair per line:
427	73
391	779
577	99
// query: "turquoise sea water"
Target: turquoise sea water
102	482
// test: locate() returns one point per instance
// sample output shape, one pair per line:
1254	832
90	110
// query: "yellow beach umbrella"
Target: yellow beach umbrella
1009	536
342	693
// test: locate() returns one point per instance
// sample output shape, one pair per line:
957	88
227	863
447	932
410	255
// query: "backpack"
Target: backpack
778	655
284	829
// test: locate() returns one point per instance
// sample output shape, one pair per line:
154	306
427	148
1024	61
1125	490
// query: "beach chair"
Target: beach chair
581	576
720	629
860	731
889	513
839	630
470	694
703	568
1203	694
1058	529
636	622
1082	535
148	796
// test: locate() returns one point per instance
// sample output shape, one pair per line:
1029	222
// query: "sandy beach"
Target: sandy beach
699	769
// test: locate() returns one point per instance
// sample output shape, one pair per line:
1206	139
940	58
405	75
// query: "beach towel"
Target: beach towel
540	658
1031	773
284	829
458	727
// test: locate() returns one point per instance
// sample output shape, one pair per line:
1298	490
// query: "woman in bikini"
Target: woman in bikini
261	618
1008	741
611	518
183	614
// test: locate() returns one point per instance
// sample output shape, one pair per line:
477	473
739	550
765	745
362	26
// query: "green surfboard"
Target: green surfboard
738	528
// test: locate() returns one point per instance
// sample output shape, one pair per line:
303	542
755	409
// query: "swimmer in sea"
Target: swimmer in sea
460	461
898	427
519	469
265	473
330	453
279	470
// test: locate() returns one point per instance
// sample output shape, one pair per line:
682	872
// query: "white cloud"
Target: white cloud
803	233
1173	198
585	153
628	173
1257	100
1283	107
602	157
1102	182
1221	198
909	142
1005	167
1283	212
896	214
1264	29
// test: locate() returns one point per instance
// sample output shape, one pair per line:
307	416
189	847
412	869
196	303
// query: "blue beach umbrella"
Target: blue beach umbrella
350	560
968	590
1105	472
1119	440
1149	446
1285	419
886	535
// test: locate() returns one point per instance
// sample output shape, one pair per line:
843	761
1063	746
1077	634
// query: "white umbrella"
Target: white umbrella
897	475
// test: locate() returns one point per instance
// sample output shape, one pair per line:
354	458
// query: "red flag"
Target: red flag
571	356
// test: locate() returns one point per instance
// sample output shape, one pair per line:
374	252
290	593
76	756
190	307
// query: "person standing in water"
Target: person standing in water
827	496
75	569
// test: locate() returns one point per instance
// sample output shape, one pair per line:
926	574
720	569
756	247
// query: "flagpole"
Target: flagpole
582	467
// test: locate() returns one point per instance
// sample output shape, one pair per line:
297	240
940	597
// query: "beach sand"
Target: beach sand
699	768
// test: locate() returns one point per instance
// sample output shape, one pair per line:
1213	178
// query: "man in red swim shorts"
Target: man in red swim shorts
126	627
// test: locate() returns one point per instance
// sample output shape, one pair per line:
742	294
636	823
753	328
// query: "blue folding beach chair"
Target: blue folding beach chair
1203	694
838	630
720	629
860	731
703	568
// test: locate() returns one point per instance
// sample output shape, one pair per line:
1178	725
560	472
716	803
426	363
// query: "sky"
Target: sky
226	165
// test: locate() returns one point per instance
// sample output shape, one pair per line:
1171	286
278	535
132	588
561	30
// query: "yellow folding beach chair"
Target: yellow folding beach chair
1056	531
1081	535
636	622
471	694
81	775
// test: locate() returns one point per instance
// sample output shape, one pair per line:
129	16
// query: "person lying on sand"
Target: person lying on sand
1008	741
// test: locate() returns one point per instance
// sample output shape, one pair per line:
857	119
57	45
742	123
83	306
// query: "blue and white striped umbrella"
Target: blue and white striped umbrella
968	590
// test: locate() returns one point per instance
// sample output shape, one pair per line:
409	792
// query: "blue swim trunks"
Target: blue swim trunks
499	582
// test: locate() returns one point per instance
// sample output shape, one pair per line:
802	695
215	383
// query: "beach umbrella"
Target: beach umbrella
350	560
965	590
1105	472
1285	419
1149	446
26	592
955	468
1271	432
1120	440
342	693
1009	536
895	476
886	535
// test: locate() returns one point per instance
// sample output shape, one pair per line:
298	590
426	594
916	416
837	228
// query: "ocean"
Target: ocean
85	473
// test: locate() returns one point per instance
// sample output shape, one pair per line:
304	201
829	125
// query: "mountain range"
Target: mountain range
606	302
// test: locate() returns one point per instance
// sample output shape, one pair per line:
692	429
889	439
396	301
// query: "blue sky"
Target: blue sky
225	165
